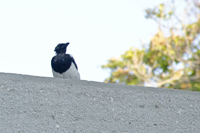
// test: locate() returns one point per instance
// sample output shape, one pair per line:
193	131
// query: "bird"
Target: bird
63	65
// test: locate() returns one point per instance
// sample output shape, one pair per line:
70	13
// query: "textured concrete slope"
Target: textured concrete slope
48	105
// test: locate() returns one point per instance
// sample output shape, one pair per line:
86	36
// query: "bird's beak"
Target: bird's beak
67	43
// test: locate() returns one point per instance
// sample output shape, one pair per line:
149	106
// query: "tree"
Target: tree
172	57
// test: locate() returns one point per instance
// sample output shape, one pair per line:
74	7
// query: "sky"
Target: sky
96	29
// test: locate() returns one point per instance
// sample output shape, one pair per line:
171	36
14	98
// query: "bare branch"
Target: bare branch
188	80
170	80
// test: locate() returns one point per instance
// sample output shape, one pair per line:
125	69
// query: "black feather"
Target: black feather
61	48
62	62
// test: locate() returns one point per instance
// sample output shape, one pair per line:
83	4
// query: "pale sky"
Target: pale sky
96	29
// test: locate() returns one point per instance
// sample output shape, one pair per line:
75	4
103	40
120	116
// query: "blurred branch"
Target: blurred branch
167	81
188	80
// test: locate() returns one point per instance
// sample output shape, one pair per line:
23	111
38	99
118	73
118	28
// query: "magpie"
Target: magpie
63	65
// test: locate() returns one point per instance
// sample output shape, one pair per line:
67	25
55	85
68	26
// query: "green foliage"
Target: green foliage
171	60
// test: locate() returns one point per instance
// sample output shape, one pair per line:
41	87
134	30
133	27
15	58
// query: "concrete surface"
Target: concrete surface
50	105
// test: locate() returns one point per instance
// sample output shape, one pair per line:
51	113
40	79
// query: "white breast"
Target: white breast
71	73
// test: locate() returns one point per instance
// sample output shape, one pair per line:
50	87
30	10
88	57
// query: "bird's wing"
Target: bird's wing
61	63
72	59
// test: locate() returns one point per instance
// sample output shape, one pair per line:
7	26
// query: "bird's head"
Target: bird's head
61	48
